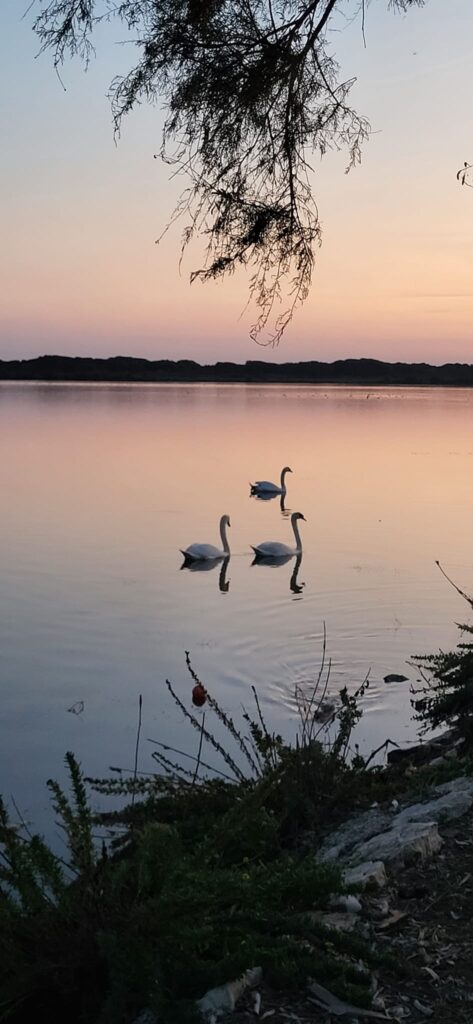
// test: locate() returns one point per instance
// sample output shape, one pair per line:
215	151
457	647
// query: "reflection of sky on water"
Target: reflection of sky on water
102	486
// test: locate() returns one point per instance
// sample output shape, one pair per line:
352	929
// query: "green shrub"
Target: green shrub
446	696
205	876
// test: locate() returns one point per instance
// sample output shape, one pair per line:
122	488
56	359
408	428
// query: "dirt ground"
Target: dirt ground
429	929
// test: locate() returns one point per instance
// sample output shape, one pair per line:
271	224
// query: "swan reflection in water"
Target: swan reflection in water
206	565
270	496
274	562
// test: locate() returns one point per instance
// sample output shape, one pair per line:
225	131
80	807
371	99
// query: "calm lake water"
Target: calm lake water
101	486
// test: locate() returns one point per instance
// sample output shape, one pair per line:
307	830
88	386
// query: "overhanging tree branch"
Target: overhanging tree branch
252	90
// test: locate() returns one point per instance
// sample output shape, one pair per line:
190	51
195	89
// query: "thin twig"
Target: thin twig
363	12
135	770
176	771
381	747
22	820
263	726
208	736
224	718
183	753
461	592
197	764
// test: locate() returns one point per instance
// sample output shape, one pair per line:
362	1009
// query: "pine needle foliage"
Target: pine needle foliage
253	92
446	696
300	783
160	924
206	874
75	818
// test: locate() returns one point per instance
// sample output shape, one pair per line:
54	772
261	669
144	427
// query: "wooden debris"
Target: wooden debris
394	918
332	1004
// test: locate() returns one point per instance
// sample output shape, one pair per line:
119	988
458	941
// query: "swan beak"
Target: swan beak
304	518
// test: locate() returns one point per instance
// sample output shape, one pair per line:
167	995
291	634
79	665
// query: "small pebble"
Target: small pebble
348	903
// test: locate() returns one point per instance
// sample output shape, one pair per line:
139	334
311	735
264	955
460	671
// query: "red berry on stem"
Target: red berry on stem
199	695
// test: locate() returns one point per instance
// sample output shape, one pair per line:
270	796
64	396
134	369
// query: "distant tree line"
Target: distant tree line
342	371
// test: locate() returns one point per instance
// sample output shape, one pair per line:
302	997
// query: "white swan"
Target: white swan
274	549
266	487
208	552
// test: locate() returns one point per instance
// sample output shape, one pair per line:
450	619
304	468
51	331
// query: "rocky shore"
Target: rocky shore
409	871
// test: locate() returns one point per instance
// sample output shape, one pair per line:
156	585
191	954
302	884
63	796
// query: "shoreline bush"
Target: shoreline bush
203	871
196	878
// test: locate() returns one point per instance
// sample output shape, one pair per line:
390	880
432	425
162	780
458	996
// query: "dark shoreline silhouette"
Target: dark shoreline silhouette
363	372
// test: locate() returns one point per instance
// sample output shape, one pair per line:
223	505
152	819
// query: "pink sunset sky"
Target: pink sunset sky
81	275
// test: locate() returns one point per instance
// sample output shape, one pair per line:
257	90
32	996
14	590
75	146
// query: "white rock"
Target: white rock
376	836
451	805
223	999
216	1001
329	853
146	1017
462	784
369	873
407	842
348	903
356	830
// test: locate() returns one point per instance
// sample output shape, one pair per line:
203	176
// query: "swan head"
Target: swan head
287	469
297	515
225	521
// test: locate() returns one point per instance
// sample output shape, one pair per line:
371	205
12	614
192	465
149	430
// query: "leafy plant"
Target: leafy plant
203	873
98	938
446	696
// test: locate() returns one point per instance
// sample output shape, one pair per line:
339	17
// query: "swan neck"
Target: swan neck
223	535
283	478
297	535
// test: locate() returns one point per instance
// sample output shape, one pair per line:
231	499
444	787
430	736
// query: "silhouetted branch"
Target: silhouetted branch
251	88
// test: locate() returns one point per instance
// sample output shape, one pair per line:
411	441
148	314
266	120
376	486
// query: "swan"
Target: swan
274	549
266	487
208	552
